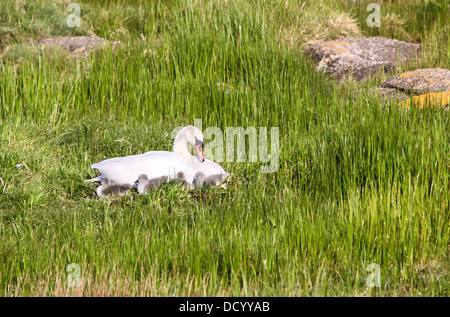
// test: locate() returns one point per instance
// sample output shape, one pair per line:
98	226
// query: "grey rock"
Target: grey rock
427	88
360	56
420	81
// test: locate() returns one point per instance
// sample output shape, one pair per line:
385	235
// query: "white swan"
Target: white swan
152	168
214	173
154	164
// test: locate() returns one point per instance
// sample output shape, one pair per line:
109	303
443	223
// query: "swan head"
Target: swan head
189	135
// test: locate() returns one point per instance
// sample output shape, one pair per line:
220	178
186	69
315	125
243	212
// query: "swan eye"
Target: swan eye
198	142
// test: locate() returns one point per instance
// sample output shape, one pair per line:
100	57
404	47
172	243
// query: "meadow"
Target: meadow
360	181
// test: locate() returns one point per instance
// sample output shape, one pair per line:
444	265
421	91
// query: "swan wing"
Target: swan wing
210	168
126	170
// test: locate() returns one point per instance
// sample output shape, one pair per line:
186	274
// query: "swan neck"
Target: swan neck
180	147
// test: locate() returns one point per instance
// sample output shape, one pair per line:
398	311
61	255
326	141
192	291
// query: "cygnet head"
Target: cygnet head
108	187
218	180
141	183
199	180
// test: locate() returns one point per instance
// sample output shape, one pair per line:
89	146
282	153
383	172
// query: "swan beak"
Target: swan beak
199	150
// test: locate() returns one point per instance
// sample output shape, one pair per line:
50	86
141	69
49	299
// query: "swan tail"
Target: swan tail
97	179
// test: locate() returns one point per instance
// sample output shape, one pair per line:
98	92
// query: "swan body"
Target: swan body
126	170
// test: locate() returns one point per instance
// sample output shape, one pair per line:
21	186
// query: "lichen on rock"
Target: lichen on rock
420	81
428	100
360	57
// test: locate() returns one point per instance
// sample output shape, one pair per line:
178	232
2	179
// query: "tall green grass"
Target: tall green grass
359	182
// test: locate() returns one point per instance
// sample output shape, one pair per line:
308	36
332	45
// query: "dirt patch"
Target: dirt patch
78	45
